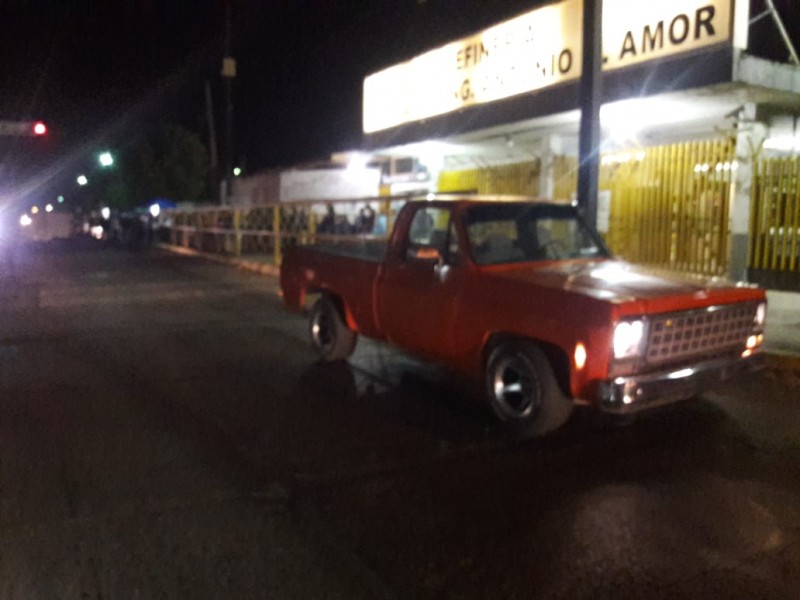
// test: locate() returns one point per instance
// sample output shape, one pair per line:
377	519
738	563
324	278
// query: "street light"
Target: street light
48	208
106	160
82	180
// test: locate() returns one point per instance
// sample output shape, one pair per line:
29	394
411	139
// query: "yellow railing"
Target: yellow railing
668	208
264	231
775	215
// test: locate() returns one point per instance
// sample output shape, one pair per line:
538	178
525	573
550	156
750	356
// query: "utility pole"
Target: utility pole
591	97
212	143
228	74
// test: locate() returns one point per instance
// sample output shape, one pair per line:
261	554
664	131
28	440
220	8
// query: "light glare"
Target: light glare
761	313
627	336
783	143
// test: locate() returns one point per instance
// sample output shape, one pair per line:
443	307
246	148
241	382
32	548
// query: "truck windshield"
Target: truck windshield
518	232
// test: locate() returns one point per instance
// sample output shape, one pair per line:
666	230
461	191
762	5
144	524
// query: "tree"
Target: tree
171	162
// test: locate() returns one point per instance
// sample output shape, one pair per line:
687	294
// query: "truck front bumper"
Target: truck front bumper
633	393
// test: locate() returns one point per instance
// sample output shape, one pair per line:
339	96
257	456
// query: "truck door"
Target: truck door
418	297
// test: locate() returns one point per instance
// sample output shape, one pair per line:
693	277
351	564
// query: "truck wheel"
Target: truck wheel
522	390
331	338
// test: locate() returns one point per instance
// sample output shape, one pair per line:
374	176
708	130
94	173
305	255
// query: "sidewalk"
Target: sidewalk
782	335
263	264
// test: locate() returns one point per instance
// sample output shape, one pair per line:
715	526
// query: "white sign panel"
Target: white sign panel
535	50
329	184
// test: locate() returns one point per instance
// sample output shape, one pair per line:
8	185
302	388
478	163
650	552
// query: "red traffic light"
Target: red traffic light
39	128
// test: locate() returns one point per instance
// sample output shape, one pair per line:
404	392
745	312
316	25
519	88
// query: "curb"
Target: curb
240	263
782	362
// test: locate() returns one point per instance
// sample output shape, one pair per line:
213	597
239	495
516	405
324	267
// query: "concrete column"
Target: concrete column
749	138
551	147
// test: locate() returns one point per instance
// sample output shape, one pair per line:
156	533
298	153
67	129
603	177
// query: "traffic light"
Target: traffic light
22	128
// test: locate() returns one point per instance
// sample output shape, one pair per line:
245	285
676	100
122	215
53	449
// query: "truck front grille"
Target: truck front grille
703	332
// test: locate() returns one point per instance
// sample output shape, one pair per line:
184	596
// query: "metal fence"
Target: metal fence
670	205
519	179
774	250
264	231
775	215
669	208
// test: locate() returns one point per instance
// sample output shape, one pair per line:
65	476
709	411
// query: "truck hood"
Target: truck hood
620	282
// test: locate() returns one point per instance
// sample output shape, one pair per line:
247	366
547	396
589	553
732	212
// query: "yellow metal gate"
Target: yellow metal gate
669	205
774	249
518	178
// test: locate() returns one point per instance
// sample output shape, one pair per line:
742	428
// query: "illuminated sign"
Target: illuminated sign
536	50
634	32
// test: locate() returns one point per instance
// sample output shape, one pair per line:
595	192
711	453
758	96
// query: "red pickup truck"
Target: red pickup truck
526	296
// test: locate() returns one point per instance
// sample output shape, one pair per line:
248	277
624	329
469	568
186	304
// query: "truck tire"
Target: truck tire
330	336
522	390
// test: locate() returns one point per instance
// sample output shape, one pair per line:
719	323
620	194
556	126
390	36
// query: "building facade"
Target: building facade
700	170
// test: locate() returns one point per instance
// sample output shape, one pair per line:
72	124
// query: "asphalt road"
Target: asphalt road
166	433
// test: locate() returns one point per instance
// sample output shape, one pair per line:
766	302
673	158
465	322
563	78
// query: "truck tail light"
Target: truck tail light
580	356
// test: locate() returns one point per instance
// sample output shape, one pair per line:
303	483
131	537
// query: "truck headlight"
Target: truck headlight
628	338
761	314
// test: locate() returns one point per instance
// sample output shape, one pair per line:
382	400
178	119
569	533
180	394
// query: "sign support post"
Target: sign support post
591	97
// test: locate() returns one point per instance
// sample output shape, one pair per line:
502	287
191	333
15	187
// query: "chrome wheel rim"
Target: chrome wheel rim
322	331
515	388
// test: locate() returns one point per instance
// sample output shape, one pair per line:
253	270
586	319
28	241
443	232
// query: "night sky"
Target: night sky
98	71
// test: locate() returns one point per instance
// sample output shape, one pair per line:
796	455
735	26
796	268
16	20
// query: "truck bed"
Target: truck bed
346	270
370	250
